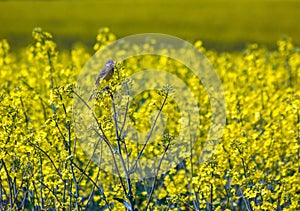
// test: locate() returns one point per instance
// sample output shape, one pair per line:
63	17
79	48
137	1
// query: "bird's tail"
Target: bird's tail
91	97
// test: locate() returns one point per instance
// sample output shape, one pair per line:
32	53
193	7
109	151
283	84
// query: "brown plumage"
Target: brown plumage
105	74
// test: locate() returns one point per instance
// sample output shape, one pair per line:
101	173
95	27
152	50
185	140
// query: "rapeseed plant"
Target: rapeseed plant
43	166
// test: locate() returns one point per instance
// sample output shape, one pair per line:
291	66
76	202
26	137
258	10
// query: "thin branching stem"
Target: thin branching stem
8	182
149	135
104	138
127	174
94	183
156	176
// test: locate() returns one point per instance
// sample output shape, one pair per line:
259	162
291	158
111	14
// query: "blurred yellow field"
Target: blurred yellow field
222	25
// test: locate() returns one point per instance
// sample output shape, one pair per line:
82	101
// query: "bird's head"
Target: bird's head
110	63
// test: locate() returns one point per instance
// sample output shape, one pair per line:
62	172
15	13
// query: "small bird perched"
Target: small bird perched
105	74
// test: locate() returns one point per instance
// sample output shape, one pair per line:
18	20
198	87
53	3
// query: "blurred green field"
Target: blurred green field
222	25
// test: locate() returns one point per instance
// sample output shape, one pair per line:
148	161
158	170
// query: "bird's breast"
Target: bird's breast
109	74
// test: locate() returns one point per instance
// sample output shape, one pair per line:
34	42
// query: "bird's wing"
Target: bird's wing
103	72
101	75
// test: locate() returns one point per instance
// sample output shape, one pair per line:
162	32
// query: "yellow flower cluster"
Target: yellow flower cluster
256	166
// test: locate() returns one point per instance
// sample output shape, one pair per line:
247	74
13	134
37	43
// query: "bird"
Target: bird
106	74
